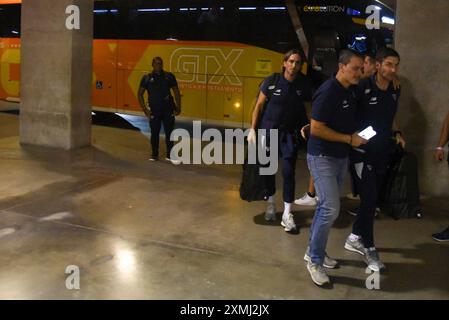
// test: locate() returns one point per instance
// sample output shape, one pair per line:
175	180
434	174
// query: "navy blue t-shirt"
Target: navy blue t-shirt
336	107
158	87
376	108
285	109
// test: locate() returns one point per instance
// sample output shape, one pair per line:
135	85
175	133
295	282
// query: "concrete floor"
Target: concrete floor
143	230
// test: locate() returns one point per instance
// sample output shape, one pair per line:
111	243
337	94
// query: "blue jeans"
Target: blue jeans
328	174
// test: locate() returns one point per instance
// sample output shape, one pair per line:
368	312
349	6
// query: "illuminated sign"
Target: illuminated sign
325	9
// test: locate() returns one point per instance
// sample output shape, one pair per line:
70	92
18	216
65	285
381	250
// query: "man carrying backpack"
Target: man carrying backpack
439	156
281	102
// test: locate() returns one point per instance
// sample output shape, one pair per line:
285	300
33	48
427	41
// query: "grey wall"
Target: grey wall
56	73
422	39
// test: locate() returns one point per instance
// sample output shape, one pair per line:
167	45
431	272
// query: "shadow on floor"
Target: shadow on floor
423	273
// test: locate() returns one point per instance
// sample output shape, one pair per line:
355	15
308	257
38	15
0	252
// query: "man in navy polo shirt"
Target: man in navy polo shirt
377	107
284	96
333	133
161	107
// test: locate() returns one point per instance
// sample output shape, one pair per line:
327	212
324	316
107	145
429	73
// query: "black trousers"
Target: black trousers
288	153
368	180
288	175
352	175
156	121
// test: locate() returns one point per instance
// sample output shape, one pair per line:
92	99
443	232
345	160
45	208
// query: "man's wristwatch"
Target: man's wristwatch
395	133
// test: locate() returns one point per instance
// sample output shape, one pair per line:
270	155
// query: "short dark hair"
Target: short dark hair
384	53
345	56
156	58
371	57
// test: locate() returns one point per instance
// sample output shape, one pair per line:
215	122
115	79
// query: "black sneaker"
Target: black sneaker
442	236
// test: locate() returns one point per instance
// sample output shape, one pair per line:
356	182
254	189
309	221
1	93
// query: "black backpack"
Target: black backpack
253	186
400	193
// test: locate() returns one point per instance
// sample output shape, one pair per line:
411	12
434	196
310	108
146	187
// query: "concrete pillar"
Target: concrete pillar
422	39
56	74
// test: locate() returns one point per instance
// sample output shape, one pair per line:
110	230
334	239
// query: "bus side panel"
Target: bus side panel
211	76
232	106
9	69
131	67
194	98
104	82
134	62
249	99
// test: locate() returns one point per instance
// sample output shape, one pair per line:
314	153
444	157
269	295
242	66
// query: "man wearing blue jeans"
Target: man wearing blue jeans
333	124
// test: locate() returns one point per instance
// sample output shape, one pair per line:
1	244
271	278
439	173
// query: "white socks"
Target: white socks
354	237
287	209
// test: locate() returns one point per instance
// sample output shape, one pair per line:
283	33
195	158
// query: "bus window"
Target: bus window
106	20
10	21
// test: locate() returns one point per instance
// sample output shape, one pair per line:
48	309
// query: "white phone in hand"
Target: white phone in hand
367	133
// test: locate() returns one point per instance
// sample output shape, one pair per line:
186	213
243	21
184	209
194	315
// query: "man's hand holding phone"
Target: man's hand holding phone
356	140
360	138
367	133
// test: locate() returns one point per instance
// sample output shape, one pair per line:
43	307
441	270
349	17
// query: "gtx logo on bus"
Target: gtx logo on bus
325	9
205	65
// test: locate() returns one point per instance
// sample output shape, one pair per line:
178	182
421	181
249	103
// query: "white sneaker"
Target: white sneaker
174	161
288	223
306	200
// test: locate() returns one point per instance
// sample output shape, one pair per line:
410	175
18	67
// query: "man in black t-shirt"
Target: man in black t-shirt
161	108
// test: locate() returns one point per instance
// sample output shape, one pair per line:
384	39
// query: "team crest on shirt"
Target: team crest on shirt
345	104
298	92
277	92
367	91
395	96
151	79
373	100
271	87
